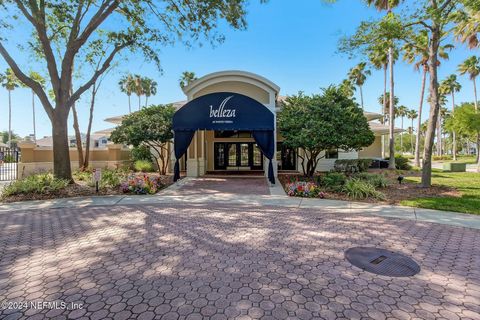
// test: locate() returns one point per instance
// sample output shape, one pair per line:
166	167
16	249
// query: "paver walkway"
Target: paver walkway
201	261
224	185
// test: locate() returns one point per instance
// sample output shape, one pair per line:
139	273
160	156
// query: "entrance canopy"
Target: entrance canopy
224	111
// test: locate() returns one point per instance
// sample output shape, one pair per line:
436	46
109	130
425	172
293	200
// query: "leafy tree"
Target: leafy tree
150	127
449	86
127	86
357	75
187	78
465	121
6	136
112	25
321	122
471	66
9	81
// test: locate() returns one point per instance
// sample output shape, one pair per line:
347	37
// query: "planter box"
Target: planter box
454	167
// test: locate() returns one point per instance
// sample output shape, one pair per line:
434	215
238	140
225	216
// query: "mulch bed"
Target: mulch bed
78	189
395	192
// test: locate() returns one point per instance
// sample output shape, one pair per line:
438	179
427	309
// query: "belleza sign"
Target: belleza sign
222	112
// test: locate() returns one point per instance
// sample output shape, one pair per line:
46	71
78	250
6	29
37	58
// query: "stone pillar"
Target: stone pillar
202	159
192	160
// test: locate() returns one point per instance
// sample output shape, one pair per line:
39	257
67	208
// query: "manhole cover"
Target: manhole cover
382	262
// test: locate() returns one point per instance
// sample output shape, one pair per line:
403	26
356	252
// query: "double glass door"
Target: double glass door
237	155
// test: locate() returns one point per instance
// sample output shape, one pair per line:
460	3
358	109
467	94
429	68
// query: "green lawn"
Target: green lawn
462	159
467	183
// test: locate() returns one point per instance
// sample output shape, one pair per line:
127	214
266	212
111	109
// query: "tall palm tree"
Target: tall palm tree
386	99
138	88
41	81
347	88
442	100
471	66
387	5
186	78
416	52
127	86
10	82
401	112
149	88
357	75
412	115
449	86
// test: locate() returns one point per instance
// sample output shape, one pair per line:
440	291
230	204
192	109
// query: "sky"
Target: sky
292	43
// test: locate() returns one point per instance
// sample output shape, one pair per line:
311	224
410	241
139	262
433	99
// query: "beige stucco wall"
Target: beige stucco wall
39	159
236	87
373	151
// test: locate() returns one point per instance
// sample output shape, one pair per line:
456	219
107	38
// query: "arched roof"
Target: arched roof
231	75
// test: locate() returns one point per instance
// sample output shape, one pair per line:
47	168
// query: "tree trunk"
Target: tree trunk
439	135
10	118
391	162
411	138
419	123
78	138
61	156
33	114
401	137
384	111
129	105
361	96
139	103
434	109
146	101
89	128
454	135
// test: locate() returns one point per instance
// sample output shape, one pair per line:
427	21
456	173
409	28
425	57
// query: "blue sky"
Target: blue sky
292	43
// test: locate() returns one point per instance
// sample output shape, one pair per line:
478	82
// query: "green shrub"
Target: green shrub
377	180
141	153
333	181
352	165
82	175
143	166
9	158
111	178
401	163
444	157
42	183
360	189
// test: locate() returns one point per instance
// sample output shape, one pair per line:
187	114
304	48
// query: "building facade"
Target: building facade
224	126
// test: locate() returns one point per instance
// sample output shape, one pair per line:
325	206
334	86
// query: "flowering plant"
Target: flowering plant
142	184
304	189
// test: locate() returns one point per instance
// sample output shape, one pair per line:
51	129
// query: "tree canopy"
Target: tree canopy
465	121
330	120
151	127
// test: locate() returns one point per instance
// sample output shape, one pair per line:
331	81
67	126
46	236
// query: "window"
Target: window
331	154
104	141
233	134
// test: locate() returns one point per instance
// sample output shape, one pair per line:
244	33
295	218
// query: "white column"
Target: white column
192	163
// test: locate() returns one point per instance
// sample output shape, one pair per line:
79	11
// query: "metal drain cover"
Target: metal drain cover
382	262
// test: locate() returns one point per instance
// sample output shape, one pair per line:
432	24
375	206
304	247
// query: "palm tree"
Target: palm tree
412	115
442	101
468	26
10	82
127	86
387	5
386	99
471	66
347	88
138	88
449	86
41	81
187	78
401	111
149	88
416	52
357	75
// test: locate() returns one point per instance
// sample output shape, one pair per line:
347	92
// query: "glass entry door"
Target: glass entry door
237	156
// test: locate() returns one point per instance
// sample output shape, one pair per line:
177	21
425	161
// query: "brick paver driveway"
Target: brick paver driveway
234	185
225	262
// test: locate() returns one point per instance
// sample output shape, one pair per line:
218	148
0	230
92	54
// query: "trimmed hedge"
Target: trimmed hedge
352	165
401	163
